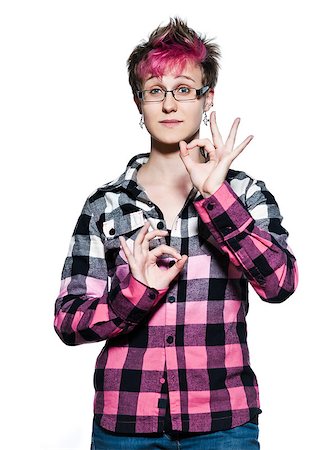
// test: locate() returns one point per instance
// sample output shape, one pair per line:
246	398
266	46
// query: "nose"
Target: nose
169	103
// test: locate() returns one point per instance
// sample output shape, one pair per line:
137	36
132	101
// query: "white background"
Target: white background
68	125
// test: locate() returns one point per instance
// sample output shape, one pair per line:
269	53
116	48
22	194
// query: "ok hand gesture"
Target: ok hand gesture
143	262
208	177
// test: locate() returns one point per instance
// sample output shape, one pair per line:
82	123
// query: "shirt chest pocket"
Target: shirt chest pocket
127	225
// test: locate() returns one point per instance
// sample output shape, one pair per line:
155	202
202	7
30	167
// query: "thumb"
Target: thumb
178	266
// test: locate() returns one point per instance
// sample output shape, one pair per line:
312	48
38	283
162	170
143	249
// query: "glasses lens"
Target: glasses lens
154	95
185	93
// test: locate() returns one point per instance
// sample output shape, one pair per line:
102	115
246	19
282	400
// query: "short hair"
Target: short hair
172	47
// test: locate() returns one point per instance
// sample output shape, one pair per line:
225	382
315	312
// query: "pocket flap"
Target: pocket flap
123	225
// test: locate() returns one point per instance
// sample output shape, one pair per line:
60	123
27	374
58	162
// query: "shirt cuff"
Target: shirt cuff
132	300
225	211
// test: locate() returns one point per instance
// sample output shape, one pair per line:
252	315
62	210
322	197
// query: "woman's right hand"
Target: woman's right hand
143	261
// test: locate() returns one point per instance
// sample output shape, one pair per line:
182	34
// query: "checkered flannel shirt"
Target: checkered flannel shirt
188	340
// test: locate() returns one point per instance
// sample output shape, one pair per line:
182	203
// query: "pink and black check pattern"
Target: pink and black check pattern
189	340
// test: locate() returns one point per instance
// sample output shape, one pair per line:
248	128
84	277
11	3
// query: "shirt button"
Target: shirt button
160	225
171	299
170	339
210	206
162	380
112	231
152	295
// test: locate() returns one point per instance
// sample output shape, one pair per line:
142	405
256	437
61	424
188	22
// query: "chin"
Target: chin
173	138
173	143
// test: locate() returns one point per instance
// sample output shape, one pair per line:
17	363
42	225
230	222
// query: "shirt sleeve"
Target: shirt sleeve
85	310
252	235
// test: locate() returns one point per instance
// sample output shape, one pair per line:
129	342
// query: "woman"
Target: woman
159	265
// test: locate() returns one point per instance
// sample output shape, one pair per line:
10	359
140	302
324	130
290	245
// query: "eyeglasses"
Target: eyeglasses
181	94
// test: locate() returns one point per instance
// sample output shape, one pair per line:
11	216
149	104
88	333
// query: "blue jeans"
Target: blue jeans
244	437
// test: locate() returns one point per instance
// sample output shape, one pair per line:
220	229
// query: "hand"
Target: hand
208	177
143	262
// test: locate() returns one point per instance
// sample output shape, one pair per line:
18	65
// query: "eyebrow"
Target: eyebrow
178	76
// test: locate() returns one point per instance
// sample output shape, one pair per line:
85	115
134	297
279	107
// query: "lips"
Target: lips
170	121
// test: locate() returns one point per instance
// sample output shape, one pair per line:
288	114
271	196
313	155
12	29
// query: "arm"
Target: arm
85	311
253	237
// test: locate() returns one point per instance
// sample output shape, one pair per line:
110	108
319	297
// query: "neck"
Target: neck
165	166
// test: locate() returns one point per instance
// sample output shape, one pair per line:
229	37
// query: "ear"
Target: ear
138	103
209	97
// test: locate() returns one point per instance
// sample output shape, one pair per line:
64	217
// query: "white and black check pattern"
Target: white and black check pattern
185	344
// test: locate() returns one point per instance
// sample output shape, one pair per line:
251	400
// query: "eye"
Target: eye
155	91
183	90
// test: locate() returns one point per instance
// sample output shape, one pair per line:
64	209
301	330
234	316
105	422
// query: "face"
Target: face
187	114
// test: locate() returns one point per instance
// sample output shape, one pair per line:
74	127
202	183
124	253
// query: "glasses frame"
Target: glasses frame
199	93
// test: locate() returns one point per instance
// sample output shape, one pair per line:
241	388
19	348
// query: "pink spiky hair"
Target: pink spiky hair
168	54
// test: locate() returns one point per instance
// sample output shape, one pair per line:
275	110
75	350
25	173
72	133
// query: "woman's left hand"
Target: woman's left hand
208	177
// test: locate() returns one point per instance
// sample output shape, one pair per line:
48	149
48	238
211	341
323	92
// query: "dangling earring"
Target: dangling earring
141	123
205	119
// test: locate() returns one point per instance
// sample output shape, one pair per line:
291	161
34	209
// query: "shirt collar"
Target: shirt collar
129	177
128	180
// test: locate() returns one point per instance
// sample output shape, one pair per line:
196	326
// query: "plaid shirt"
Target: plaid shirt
188	340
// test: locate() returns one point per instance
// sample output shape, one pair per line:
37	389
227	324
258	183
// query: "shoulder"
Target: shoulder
123	181
96	202
101	200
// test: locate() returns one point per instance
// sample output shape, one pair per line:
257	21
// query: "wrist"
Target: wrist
156	285
211	191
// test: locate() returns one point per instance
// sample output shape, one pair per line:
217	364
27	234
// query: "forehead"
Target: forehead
192	72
